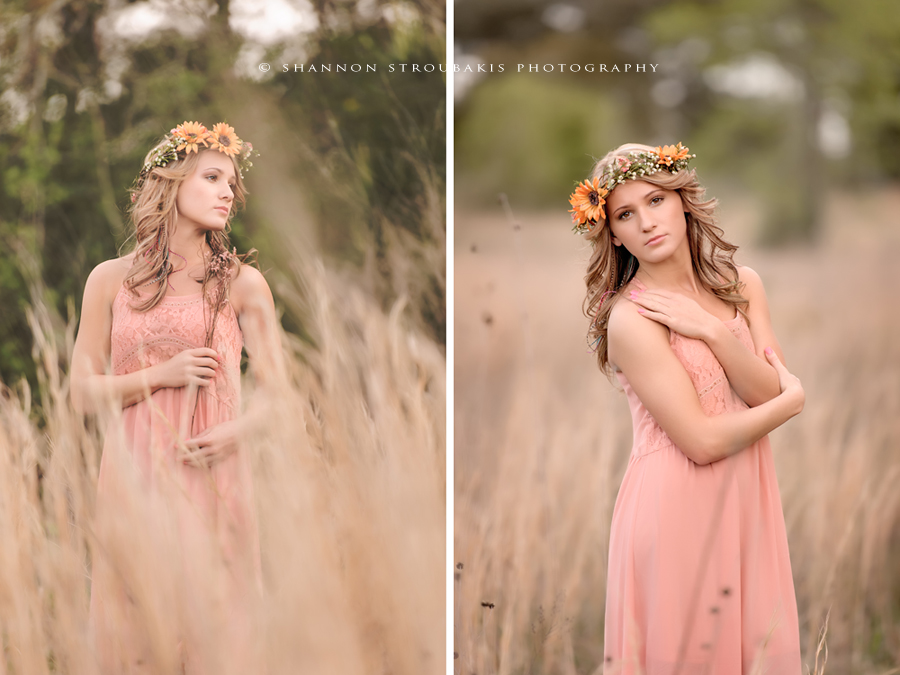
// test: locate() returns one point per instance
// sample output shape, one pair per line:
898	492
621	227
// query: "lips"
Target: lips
223	209
658	238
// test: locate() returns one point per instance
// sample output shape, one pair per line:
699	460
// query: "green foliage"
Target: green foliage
533	155
368	148
521	136
377	141
380	129
844	55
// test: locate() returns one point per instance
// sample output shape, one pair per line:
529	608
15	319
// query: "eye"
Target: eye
213	176
622	215
655	199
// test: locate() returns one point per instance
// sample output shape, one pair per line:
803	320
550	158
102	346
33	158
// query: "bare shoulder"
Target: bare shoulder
627	331
626	322
249	288
105	279
622	315
249	280
753	284
749	276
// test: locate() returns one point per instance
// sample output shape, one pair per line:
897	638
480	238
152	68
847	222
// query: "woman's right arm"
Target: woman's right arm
641	350
90	385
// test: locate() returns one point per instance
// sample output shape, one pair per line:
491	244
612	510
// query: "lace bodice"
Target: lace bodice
143	339
713	388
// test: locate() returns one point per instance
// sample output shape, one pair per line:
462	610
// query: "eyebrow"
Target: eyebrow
643	196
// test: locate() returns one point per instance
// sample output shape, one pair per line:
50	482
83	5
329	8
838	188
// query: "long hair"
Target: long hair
611	267
153	213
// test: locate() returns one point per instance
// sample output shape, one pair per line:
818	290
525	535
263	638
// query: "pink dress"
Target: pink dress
143	486
699	571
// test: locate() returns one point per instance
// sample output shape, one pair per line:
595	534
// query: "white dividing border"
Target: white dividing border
450	330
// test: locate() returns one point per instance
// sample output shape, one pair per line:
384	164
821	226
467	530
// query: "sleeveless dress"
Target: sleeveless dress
209	513
699	571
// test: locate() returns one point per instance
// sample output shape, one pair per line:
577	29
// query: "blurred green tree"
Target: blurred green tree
843	59
785	97
83	100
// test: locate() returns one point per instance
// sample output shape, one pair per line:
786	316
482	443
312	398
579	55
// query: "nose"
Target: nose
648	220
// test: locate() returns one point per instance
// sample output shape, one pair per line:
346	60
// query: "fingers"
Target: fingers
206	357
786	379
212	460
648	300
192	458
205	361
639	297
659	317
202	375
205	351
208	448
203	457
658	294
196	455
776	363
774	360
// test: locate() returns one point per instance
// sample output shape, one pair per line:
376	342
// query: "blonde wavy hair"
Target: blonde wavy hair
153	213
611	267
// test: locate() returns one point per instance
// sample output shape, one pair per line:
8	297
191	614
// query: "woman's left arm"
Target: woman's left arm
259	325
749	373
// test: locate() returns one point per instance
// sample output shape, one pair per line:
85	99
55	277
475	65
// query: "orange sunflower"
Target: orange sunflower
189	136
223	139
669	154
587	201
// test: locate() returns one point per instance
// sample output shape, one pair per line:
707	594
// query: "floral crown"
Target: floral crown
190	137
590	196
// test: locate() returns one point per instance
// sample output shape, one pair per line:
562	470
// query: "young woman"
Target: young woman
160	341
699	572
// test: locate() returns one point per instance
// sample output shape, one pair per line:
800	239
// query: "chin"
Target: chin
656	257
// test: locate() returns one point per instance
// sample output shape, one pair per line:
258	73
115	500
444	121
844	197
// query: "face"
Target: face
206	196
648	221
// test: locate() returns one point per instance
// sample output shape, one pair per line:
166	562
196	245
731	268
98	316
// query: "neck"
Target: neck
675	274
189	244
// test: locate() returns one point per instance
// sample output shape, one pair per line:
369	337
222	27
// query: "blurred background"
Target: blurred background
793	110
351	164
797	94
346	208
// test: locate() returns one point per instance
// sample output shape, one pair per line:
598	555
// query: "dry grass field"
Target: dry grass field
349	474
542	439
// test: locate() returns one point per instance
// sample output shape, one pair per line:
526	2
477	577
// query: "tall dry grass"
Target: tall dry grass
349	471
542	440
